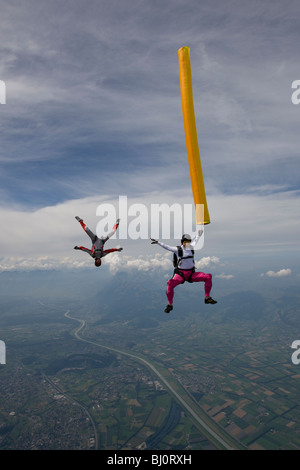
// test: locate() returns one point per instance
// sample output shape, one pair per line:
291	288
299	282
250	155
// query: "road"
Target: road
216	436
56	387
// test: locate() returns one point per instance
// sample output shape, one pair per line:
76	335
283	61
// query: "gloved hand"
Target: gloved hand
153	241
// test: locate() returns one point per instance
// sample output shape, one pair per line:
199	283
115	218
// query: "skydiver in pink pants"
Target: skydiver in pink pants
185	269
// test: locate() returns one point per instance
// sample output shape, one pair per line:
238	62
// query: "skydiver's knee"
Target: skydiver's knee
171	283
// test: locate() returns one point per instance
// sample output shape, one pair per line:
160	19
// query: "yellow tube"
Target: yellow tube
197	181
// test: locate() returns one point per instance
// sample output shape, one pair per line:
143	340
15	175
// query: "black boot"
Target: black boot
209	300
168	308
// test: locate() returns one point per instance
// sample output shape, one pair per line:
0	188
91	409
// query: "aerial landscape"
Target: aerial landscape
149	244
128	378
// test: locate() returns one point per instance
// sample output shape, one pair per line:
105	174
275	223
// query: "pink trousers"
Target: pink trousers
196	277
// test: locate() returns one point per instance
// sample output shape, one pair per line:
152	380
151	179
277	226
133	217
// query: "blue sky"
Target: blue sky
93	112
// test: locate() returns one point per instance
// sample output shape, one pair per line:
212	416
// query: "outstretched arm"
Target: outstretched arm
111	250
86	250
195	241
163	245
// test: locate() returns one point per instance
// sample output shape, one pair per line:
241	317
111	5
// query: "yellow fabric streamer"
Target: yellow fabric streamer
197	181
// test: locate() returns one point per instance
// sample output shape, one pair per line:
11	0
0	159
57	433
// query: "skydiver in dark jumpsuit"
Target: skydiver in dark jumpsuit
97	252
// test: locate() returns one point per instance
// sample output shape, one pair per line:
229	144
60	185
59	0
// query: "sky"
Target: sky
93	114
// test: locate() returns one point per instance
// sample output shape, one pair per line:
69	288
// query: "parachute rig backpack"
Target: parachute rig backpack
176	263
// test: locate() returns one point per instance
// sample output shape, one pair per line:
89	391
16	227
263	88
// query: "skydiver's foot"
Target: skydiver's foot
120	249
209	300
168	308
76	248
78	218
116	224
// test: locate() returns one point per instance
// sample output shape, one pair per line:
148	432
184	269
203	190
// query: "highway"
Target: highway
225	443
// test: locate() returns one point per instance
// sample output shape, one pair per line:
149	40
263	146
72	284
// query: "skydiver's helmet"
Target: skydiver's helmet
186	238
97	262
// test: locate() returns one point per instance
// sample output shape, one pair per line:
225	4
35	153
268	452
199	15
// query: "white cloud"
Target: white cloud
157	262
115	263
224	276
280	273
142	263
254	223
43	263
206	262
240	225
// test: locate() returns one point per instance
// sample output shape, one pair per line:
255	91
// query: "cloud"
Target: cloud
224	276
114	262
280	273
206	262
254	223
142	263
93	111
82	80
240	225
42	263
93	108
158	262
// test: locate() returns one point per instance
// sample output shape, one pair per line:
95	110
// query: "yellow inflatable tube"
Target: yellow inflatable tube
197	181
